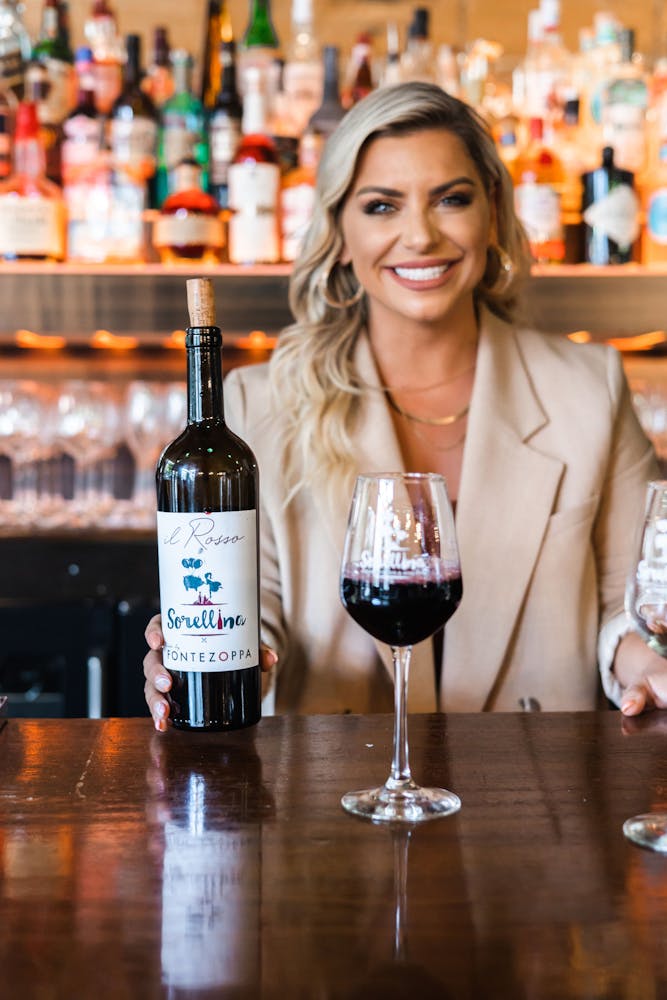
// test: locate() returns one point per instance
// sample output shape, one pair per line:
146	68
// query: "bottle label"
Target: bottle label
133	146
208	590
108	85
625	130
188	230
61	94
224	138
11	67
656	217
616	215
178	143
254	186
254	238
297	208
31	226
538	207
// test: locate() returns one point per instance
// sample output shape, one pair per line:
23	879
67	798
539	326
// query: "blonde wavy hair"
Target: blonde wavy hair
312	377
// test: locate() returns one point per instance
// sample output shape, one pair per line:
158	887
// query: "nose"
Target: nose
420	231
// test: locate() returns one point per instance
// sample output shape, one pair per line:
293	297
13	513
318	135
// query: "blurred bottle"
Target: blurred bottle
576	157
53	84
32	210
610	210
182	130
283	126
391	71
297	196
158	81
101	32
254	184
417	61
359	74
132	139
224	126
259	47
85	170
654	198
133	121
189	227
326	117
218	31
303	72
538	179
8	105
624	105
15	47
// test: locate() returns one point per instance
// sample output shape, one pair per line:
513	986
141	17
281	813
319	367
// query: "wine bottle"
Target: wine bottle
207	498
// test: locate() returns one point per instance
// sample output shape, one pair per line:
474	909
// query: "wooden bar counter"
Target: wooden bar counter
139	865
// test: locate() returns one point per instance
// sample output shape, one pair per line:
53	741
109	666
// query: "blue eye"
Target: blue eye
456	199
377	207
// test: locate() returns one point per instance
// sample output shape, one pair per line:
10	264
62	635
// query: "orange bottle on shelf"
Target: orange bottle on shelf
32	209
538	180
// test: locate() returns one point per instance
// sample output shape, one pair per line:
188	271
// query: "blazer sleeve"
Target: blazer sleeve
273	628
632	463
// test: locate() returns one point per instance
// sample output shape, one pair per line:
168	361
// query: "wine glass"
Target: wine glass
401	581
646	607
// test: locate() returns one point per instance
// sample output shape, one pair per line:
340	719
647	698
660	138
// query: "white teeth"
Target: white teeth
421	273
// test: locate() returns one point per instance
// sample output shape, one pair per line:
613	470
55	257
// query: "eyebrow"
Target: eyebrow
394	193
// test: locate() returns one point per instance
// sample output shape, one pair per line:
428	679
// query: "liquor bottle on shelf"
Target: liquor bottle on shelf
297	196
624	105
158	81
101	32
654	197
132	138
218	31
51	80
259	46
538	178
224	126
303	72
359	73
283	127
417	62
207	500
7	117
15	47
182	130
391	71
610	211
85	170
254	184
189	227
326	117
133	121
32	210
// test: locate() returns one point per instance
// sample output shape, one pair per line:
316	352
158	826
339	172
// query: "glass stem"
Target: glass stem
400	766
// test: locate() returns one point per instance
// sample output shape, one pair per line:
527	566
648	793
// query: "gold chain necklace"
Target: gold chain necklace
432	421
436	385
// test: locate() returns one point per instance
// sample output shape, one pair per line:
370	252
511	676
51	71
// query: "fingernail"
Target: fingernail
628	703
274	658
160	709
161	725
162	682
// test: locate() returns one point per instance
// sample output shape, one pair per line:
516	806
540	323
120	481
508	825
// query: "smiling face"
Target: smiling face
417	223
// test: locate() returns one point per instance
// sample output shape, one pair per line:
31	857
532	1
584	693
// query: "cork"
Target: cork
201	302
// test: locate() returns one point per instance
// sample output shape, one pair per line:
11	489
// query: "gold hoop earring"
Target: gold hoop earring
337	303
505	270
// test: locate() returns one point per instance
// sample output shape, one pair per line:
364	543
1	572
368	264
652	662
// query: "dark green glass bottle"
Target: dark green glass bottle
207	493
260	30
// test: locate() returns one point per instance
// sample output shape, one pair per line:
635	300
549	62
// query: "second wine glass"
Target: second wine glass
401	581
646	607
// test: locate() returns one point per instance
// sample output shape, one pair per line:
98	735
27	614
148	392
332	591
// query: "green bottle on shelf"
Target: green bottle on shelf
259	47
260	30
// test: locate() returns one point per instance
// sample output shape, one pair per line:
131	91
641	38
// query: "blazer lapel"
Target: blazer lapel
506	496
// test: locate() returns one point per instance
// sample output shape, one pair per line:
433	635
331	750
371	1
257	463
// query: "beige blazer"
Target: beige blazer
553	482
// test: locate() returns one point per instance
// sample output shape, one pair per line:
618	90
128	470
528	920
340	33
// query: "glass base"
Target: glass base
408	804
648	830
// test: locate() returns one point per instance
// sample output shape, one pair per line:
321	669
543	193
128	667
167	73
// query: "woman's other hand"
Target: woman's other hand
643	674
158	679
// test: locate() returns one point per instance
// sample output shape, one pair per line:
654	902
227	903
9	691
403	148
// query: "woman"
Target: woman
404	354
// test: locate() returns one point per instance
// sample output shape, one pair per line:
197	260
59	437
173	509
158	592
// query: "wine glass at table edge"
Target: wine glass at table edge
401	581
646	608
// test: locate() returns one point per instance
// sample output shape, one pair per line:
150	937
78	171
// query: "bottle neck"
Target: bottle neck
331	88
204	373
260	29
